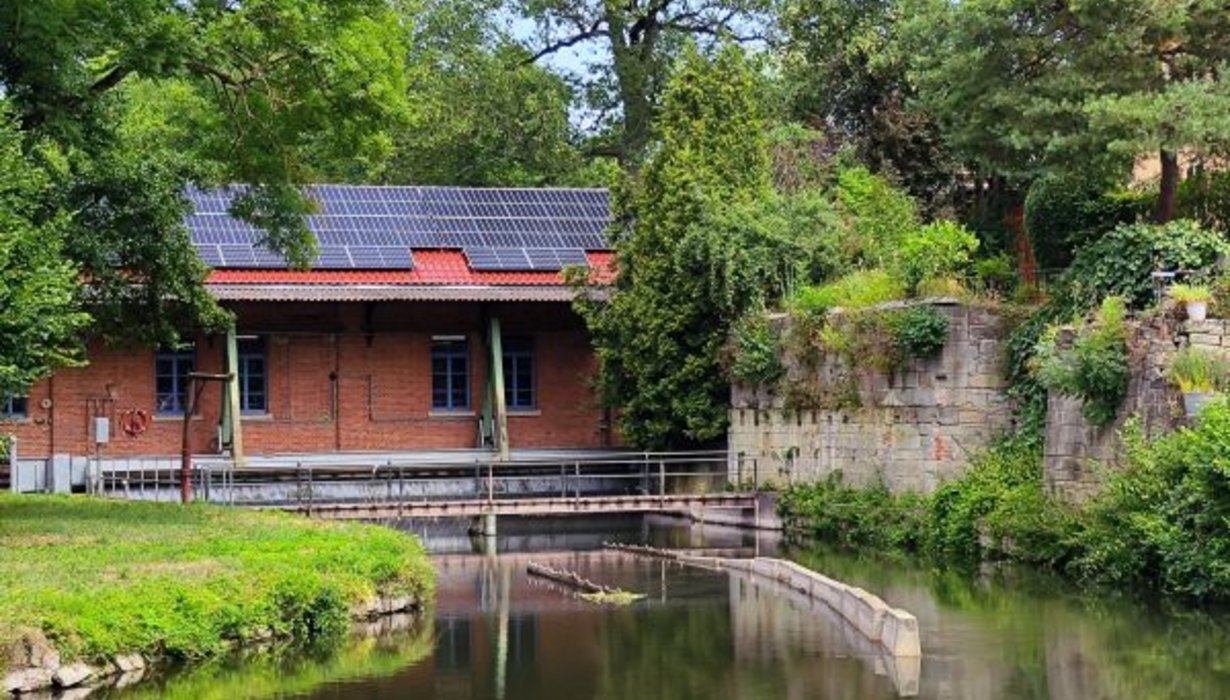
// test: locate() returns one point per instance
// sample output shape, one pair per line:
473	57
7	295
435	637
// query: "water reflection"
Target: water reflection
701	634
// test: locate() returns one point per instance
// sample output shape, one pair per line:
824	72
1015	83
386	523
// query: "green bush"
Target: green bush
878	215
1095	369
1062	214
851	516
1122	263
756	353
995	274
1206	198
1161	521
919	331
1195	369
938	249
856	290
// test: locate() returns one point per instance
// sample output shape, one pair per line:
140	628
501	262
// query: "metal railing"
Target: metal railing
305	483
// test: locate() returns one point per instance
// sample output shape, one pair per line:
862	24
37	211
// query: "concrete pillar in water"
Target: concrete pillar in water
487	525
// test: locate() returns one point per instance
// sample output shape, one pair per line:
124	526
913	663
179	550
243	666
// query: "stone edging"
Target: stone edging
893	629
34	664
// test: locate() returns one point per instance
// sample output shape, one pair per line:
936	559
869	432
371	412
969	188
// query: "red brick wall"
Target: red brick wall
341	377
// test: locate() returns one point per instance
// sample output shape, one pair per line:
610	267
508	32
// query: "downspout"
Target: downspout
232	396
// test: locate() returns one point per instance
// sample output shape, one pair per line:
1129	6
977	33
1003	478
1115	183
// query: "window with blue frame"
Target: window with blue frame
450	374
13	407
171	370
253	376
519	394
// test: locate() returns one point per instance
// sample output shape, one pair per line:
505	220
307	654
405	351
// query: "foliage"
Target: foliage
1195	369
756	355
918	331
1206	198
1122	263
851	516
1161	520
1184	293
995	274
105	577
879	217
845	67
997	510
630	49
486	116
134	100
1026	87
1064	213
1024	386
938	249
856	290
41	318
698	245
1095	369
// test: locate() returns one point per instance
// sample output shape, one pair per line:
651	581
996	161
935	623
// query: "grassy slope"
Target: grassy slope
103	577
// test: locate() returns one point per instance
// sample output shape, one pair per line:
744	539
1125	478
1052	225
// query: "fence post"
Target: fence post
662	481
576	484
14	470
490	482
563	481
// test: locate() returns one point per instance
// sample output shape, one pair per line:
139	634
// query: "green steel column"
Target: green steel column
231	414
500	429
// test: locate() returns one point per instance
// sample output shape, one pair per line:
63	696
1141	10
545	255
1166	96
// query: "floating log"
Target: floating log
590	591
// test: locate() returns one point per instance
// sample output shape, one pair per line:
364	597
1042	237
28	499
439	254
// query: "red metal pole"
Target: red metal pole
185	458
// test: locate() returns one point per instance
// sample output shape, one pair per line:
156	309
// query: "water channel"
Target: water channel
497	633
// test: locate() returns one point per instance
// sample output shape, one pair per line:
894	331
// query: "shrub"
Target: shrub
856	290
756	353
919	331
1184	293
852	516
995	274
1198	370
1095	368
879	216
1206	198
1062	214
938	249
1122	262
1160	522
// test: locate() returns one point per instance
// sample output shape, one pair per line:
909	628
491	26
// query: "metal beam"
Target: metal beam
525	506
232	411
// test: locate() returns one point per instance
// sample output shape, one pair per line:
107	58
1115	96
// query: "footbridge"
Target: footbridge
471	484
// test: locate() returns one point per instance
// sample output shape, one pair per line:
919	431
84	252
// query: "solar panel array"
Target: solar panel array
360	227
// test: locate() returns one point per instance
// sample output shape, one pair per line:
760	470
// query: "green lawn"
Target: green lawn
102	577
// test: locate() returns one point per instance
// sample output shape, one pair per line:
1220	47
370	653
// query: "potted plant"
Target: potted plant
1194	297
1199	374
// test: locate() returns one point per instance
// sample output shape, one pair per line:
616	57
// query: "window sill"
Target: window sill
257	417
443	413
526	412
174	417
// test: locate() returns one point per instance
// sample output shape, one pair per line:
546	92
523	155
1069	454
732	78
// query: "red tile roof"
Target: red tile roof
431	267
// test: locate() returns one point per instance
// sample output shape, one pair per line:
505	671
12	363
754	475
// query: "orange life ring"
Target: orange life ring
134	422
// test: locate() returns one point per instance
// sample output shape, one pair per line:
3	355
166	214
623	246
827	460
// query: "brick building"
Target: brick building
433	318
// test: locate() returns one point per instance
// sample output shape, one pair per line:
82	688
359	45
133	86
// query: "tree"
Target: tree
638	40
1026	87
848	71
41	321
485	114
699	241
141	98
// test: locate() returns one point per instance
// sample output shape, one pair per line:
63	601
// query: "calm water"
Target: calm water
496	633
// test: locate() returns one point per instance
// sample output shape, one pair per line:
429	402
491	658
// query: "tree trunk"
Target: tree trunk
1170	187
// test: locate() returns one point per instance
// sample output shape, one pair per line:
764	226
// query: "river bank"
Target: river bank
1157	526
91	588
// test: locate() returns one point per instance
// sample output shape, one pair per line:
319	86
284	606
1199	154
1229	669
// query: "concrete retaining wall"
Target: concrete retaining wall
911	430
1075	449
895	630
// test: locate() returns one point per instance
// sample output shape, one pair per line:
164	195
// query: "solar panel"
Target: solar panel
376	227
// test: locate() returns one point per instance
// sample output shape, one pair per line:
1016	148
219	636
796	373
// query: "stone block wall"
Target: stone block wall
1076	453
911	431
